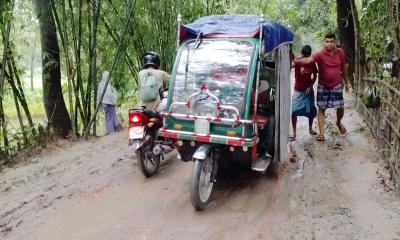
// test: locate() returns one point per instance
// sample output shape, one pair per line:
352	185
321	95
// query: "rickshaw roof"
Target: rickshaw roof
274	34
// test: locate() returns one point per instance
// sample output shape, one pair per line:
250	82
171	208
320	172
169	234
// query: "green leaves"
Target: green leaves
374	21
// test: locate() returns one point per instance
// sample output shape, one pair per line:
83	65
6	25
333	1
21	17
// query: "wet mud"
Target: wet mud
337	189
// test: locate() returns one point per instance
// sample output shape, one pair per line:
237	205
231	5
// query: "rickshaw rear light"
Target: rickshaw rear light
178	126
230	133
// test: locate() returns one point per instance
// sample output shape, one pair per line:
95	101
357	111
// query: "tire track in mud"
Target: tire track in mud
33	190
328	209
325	205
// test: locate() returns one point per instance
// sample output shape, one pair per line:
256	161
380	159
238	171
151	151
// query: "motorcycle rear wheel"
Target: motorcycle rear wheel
146	161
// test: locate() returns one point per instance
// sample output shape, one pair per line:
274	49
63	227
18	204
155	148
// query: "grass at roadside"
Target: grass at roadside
34	99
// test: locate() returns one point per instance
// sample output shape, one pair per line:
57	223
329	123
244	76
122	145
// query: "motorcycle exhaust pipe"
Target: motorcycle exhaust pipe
162	149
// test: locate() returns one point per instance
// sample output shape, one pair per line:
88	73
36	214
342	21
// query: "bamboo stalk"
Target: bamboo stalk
78	62
390	105
88	91
76	87
21	96
384	125
392	126
6	36
96	14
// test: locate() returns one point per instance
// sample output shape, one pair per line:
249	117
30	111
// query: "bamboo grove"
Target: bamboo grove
79	39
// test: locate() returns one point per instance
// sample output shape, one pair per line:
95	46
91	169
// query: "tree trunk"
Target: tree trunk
358	42
54	104
395	32
346	34
393	16
62	30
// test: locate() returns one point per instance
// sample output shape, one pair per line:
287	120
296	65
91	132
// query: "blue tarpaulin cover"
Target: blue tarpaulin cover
274	34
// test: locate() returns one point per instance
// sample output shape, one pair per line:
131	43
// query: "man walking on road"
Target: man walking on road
332	67
303	100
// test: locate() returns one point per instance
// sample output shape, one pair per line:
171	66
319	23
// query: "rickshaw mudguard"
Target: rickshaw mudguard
202	152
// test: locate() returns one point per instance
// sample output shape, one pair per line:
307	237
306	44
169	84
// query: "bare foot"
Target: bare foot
312	132
341	127
321	138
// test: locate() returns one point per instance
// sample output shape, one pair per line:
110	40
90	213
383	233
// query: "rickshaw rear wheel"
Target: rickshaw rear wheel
274	169
275	165
202	182
146	161
270	136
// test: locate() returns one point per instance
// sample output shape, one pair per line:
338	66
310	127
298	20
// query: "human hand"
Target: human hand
309	90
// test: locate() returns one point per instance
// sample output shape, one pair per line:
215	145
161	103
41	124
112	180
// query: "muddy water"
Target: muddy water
93	190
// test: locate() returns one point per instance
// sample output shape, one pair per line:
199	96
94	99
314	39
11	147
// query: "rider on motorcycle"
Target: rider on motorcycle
151	81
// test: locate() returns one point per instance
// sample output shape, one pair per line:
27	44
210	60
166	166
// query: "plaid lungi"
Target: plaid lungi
330	98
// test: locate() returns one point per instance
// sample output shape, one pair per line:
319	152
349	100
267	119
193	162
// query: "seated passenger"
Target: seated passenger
151	80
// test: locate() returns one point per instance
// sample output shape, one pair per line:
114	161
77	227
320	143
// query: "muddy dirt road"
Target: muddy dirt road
93	190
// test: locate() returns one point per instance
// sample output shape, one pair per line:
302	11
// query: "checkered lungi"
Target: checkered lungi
330	98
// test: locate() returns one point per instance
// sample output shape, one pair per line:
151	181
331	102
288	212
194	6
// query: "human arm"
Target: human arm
313	79
314	73
113	94
310	90
166	78
345	75
304	60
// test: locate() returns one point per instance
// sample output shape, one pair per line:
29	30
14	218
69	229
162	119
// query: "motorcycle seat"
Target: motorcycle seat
150	113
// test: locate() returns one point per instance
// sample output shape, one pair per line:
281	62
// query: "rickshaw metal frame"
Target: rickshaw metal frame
252	69
241	141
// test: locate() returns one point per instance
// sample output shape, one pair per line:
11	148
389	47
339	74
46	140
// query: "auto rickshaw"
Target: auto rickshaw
229	97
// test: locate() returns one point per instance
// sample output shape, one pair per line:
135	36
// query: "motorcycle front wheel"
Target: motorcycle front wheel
147	162
202	182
